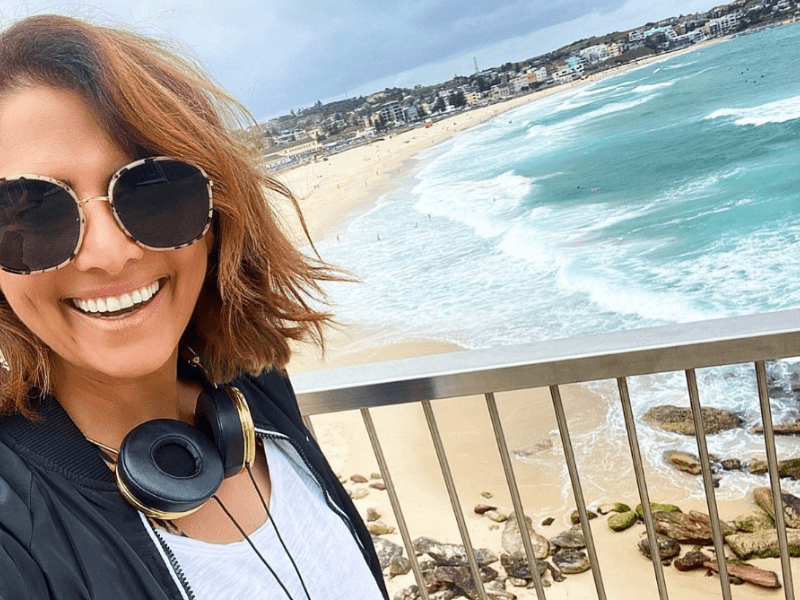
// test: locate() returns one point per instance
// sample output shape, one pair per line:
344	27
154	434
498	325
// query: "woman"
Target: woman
142	269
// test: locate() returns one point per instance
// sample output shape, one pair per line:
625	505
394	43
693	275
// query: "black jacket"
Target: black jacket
66	532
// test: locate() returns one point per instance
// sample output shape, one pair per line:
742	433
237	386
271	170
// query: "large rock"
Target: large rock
762	544
461	578
688	528
622	521
753	521
572	538
780	428
399	565
791	506
571	561
386	550
686	462
667	547
617	507
452	555
512	539
679	420
756	576
695	559
656	507
789	468
517	566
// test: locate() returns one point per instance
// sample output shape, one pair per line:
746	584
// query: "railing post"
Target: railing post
451	491
641	484
774	478
398	512
572	467
708	483
519	511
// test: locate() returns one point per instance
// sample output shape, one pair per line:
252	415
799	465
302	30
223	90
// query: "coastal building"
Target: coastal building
519	84
391	113
472	97
722	25
300	148
499	92
637	36
594	54
411	113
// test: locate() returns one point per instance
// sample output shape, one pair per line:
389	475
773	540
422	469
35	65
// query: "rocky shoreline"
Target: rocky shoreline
684	537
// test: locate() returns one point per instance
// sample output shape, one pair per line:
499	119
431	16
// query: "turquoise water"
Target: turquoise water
668	193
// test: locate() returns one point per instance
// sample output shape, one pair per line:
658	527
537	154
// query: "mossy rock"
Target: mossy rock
753	521
656	507
789	468
575	517
762	544
616	507
621	521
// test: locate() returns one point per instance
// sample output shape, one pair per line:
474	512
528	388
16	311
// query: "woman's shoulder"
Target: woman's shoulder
269	394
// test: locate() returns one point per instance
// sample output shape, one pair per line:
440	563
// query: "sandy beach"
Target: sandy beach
334	191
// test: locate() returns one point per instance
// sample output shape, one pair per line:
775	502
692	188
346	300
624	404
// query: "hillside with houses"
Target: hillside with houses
321	129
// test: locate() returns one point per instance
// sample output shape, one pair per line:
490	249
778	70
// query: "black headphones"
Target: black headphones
168	469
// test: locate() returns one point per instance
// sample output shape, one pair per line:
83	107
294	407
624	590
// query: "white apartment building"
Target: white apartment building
594	54
392	112
636	36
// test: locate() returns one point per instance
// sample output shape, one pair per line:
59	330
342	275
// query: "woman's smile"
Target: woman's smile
117	306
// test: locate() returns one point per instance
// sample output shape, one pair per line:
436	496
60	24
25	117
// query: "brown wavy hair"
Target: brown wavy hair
260	291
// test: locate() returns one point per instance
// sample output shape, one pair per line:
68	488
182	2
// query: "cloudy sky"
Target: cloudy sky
277	55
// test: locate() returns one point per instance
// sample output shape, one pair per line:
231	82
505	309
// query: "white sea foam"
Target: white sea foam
779	111
487	206
642	89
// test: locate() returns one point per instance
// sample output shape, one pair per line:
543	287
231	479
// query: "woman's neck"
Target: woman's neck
106	409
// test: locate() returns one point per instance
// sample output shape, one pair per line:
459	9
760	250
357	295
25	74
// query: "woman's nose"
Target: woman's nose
105	245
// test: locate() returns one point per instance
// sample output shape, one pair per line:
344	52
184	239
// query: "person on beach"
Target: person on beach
151	445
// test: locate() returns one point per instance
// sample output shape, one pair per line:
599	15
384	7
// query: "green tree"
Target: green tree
457	99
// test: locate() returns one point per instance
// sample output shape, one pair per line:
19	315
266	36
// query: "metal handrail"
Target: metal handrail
556	362
683	347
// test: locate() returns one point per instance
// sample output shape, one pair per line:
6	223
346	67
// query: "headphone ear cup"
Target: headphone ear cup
167	469
223	416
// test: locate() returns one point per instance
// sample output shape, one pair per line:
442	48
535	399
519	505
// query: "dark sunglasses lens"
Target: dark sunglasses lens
163	203
39	225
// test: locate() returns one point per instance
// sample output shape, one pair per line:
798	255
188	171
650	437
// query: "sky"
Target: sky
279	55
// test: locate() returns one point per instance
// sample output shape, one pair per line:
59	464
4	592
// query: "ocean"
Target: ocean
668	193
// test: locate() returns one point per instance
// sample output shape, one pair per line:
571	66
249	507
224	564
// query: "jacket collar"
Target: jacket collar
52	439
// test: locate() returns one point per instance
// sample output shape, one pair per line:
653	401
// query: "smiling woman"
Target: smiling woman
148	297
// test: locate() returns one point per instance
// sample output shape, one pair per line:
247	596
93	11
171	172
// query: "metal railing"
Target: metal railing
617	356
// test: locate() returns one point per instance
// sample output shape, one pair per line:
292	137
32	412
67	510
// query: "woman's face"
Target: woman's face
47	131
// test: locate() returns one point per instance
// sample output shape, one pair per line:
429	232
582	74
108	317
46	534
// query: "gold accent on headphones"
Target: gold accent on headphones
248	427
148	511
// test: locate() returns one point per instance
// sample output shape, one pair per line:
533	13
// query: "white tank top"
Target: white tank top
325	552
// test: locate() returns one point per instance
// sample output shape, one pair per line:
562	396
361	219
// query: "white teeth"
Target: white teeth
115	303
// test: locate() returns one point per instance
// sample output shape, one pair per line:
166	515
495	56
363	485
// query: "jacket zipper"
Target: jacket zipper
328	499
176	567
